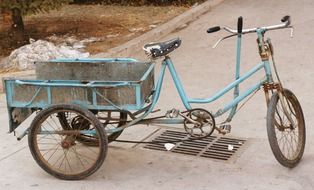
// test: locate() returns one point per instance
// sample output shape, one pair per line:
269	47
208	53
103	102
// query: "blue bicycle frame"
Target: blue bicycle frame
238	97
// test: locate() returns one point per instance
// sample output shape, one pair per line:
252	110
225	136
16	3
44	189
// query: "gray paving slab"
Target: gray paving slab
203	71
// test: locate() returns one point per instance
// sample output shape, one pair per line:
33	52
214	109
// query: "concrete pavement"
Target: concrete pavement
203	71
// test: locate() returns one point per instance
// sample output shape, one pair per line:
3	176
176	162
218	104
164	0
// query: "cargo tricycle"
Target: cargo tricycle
81	105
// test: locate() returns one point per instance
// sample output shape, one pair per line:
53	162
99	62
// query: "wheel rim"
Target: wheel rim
62	150
289	139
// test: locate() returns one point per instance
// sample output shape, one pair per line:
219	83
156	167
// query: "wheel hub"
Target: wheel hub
68	142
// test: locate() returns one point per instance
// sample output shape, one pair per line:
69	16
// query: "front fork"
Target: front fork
266	51
269	89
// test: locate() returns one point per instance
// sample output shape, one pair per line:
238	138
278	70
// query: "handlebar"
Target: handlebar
286	24
286	21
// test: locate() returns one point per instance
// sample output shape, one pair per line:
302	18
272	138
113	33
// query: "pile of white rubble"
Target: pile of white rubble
24	57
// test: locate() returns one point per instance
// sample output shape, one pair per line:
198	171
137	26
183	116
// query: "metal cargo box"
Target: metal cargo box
94	83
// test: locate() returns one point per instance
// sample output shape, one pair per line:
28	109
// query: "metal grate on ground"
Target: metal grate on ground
218	148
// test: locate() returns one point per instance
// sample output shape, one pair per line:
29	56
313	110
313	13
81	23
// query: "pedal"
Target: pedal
224	129
174	113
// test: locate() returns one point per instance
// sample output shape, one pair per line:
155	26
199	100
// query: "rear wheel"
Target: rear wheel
61	151
287	142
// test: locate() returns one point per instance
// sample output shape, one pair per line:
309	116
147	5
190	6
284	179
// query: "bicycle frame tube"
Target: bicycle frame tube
177	83
238	97
232	85
237	76
168	63
187	102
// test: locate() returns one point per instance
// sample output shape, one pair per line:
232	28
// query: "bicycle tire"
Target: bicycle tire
73	152
277	124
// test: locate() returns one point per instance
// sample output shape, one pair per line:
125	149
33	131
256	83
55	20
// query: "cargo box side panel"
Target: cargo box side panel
76	95
22	99
120	96
103	71
28	96
147	87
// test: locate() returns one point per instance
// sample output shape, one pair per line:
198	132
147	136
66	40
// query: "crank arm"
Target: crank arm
189	119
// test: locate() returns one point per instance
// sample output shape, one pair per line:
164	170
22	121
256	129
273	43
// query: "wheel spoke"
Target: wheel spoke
76	154
67	160
48	150
287	141
65	153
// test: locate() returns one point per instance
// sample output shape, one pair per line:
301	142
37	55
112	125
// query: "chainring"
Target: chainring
199	123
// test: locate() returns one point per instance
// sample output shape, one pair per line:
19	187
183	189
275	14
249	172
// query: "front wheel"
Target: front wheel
287	142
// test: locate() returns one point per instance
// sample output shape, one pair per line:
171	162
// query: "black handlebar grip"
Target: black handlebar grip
240	24
285	18
213	29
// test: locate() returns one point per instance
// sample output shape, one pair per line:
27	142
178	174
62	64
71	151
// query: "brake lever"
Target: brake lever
291	31
221	39
216	44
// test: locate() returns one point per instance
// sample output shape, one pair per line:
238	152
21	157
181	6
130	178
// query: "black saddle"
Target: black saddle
162	48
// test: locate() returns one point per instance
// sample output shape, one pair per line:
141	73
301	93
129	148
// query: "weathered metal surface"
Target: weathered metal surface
91	71
97	85
70	94
147	85
24	93
124	95
109	71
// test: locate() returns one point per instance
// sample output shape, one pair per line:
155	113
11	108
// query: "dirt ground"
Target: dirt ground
112	25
